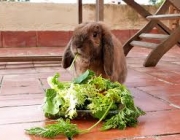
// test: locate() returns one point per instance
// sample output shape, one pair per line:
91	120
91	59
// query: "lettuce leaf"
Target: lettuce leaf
52	102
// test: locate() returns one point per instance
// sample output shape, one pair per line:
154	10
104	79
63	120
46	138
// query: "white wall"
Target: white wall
25	16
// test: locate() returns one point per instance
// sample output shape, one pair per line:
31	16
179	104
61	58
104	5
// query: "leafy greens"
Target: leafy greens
105	100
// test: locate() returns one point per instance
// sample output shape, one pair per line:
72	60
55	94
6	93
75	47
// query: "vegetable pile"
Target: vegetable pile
105	100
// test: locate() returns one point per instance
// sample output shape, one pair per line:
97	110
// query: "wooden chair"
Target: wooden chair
167	37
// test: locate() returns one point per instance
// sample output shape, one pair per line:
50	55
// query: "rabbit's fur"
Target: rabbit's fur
98	50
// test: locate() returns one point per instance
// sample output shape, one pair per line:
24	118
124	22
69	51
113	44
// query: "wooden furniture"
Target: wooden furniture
173	24
167	38
99	11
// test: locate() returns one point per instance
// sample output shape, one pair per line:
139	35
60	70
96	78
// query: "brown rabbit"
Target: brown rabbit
98	50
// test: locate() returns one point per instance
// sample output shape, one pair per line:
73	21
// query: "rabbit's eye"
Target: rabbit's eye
95	34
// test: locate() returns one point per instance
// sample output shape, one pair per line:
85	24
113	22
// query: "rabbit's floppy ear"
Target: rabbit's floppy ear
68	56
108	50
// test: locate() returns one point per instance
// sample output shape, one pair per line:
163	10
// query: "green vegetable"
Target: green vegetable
106	100
84	77
61	127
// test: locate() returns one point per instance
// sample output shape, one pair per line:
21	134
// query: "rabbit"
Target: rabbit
97	49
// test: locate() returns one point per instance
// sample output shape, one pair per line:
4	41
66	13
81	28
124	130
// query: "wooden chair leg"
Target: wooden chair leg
138	8
156	54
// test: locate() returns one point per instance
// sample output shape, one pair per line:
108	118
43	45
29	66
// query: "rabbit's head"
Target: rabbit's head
91	41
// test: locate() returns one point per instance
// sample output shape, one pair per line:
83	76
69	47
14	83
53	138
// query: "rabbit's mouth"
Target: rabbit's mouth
83	57
87	57
80	53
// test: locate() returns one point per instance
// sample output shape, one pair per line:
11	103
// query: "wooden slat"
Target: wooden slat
164	17
99	10
29	58
80	14
144	44
153	36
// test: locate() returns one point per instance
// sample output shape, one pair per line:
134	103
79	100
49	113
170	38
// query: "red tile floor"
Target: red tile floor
155	89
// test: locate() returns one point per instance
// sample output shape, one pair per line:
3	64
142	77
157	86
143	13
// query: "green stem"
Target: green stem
73	61
104	115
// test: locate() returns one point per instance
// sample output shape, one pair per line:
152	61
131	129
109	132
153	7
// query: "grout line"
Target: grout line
165	101
44	89
39	121
2	40
21	94
158	110
1	82
136	137
23	122
167	134
20	106
37	39
159	79
148	136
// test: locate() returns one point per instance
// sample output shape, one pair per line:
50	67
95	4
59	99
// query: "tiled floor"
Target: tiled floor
156	90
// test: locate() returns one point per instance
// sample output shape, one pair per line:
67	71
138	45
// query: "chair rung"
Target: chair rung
153	36
144	44
164	17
